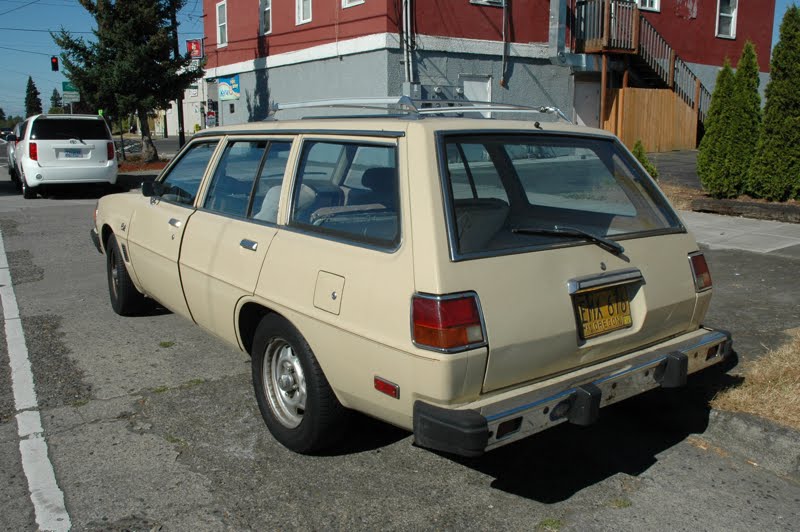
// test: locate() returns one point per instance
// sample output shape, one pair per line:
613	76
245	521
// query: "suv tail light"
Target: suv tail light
447	323
700	271
110	151
33	151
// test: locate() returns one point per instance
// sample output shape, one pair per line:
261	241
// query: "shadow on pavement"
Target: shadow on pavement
125	183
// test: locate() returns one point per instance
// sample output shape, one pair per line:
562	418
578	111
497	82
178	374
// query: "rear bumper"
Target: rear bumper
36	175
507	417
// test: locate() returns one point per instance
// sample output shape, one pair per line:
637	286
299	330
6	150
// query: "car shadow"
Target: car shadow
554	465
125	183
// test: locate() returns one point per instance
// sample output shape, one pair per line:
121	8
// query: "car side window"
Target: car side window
268	188
322	202
183	180
229	192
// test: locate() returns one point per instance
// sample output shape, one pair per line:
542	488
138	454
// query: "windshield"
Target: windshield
69	128
513	192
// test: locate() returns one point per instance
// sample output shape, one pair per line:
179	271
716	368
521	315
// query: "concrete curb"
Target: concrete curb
757	440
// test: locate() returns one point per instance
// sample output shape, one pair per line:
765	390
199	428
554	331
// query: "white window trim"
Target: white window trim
216	14
656	8
299	11
264	4
490	3
351	3
733	22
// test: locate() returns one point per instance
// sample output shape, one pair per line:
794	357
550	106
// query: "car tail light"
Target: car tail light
110	151
448	323
700	271
33	151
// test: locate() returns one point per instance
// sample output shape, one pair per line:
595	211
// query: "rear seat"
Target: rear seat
478	220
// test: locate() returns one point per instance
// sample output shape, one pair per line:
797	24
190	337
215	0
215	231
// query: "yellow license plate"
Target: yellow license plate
602	311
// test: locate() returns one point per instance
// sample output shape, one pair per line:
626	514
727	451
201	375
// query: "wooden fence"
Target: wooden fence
657	117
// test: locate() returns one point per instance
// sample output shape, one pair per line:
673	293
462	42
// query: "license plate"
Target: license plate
602	311
73	154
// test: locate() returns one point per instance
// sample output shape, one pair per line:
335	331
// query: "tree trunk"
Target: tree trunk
149	152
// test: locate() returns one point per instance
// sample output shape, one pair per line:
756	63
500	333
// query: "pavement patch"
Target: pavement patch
58	379
25	271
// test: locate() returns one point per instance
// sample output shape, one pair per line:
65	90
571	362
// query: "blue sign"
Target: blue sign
228	88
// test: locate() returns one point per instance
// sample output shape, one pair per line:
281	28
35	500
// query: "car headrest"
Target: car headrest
379	178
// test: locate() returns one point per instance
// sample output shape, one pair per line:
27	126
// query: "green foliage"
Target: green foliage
129	66
745	120
55	100
2	115
33	104
711	158
775	172
641	155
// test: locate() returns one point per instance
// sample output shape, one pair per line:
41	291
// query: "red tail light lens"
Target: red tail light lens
33	151
110	151
700	271
448	324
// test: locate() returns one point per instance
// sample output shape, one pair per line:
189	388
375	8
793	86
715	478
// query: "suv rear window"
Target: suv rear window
69	128
514	192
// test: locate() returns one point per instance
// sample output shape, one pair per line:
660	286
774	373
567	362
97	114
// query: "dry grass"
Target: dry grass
771	387
681	197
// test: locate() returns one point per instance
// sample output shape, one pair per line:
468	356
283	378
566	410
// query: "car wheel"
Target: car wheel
296	401
27	192
126	300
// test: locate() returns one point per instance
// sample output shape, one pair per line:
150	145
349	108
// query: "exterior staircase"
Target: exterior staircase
616	27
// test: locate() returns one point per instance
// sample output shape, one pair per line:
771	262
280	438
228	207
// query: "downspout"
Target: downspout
505	45
406	40
558	31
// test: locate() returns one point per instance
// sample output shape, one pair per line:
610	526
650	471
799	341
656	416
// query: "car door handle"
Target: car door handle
174	222
249	244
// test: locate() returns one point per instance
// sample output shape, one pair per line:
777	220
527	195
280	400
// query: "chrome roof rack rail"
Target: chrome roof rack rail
418	108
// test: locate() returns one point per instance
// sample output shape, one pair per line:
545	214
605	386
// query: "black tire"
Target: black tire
27	192
126	300
321	421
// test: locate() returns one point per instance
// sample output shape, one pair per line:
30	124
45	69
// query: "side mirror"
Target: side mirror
151	188
11	137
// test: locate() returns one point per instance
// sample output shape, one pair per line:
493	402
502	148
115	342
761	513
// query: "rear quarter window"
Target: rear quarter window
64	129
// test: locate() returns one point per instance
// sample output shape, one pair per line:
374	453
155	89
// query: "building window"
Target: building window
726	18
303	14
351	3
266	17
649	5
495	3
222	24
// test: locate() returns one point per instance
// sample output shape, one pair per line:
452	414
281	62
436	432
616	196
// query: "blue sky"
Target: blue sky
26	53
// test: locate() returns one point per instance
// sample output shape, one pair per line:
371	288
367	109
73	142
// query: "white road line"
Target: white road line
46	496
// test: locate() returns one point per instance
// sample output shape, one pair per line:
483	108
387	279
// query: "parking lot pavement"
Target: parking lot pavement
730	232
152	425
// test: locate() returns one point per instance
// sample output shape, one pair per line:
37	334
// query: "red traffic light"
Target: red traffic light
54	64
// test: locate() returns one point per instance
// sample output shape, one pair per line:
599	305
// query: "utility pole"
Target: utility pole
176	51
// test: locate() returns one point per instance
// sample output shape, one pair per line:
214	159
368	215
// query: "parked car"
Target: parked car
64	149
474	281
12	139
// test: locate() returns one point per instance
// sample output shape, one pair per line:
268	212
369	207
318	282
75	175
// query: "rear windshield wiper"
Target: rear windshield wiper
605	243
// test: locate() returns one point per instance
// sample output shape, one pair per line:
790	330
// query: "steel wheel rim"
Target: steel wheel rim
285	383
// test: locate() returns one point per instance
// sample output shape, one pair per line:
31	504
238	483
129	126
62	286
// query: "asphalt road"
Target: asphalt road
151	423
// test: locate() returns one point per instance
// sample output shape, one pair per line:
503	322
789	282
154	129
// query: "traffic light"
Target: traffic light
54	64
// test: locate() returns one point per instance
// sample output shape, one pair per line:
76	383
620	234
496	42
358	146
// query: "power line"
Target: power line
16	8
70	31
25	51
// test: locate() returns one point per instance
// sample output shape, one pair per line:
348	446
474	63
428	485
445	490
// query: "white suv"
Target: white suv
64	149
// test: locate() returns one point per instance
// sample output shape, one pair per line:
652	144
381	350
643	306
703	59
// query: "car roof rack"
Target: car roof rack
405	106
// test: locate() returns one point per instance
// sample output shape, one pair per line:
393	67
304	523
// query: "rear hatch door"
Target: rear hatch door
71	142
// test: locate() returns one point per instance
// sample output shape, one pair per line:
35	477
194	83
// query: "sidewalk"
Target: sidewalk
732	232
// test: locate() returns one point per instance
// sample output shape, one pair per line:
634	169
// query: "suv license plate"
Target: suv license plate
73	154
602	311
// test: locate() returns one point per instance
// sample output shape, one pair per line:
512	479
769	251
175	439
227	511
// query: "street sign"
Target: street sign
69	92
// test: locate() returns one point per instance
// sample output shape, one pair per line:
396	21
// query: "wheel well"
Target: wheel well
249	318
106	234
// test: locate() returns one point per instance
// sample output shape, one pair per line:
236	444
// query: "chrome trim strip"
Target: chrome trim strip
590	282
455	295
316	131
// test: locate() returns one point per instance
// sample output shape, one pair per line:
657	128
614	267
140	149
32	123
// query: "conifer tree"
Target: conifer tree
745	126
711	157
775	172
33	104
56	104
128	67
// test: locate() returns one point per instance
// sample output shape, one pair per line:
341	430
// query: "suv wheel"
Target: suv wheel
126	300
27	193
296	401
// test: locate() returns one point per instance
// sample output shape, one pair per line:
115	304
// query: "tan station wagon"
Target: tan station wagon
472	280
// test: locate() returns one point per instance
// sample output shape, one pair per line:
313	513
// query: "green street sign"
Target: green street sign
67	86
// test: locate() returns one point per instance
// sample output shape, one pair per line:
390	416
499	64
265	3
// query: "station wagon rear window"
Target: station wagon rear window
510	193
69	128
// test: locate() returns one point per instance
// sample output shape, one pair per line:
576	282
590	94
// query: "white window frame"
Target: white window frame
299	12
351	3
649	5
734	16
491	3
266	6
224	26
